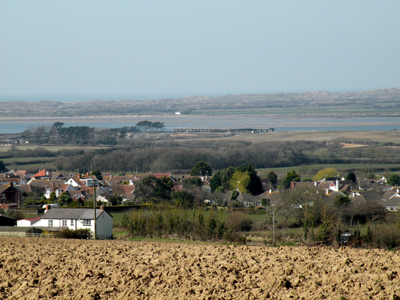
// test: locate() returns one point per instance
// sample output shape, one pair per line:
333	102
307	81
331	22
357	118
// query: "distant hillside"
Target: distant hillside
387	101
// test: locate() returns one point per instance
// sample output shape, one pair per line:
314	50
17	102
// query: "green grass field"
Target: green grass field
339	167
53	147
27	159
31	167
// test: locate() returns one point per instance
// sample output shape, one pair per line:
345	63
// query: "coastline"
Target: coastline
280	123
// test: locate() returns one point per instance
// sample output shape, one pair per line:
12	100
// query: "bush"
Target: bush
384	236
238	222
74	234
167	221
234	237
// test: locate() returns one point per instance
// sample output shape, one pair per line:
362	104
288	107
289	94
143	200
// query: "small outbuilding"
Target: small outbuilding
19	231
7	221
28	222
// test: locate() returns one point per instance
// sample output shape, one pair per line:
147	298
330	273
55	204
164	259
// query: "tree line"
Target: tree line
146	155
85	135
162	156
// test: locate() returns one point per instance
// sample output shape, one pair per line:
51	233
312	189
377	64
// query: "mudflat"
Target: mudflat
33	268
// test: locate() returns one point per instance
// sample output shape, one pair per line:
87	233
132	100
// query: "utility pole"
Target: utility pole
94	201
273	226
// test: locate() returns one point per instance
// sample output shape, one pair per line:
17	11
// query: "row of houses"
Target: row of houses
17	185
388	197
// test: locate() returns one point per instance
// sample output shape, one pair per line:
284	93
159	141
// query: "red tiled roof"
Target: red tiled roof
41	173
126	189
87	189
32	219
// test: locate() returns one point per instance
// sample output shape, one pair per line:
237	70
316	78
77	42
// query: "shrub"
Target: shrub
384	236
172	221
74	234
238	222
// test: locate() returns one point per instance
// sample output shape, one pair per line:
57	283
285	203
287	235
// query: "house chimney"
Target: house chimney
270	191
337	185
101	207
315	183
327	191
48	207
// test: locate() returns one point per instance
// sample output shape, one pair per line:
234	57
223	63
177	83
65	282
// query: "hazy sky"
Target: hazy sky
143	49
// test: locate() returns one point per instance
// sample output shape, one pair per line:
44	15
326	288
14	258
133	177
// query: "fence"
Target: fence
43	235
25	234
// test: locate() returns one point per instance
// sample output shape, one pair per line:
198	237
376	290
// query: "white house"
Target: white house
58	189
75	182
88	181
77	218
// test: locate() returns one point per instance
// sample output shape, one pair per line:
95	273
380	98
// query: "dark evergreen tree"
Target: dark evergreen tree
255	184
183	198
273	178
393	180
290	176
115	199
152	189
215	181
98	175
192	183
3	167
351	176
201	168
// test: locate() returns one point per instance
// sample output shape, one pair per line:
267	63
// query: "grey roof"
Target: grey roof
15	229
359	200
245	197
72	213
393	202
388	195
371	195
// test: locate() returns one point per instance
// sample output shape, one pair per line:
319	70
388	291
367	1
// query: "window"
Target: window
87	222
72	222
64	223
50	223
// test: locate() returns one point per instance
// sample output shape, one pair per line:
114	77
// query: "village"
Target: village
65	200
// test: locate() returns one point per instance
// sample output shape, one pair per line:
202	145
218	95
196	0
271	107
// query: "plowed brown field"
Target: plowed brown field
74	269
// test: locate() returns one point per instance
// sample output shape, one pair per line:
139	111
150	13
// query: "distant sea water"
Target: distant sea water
192	121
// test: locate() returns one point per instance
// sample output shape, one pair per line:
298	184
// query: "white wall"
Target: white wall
57	223
26	223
